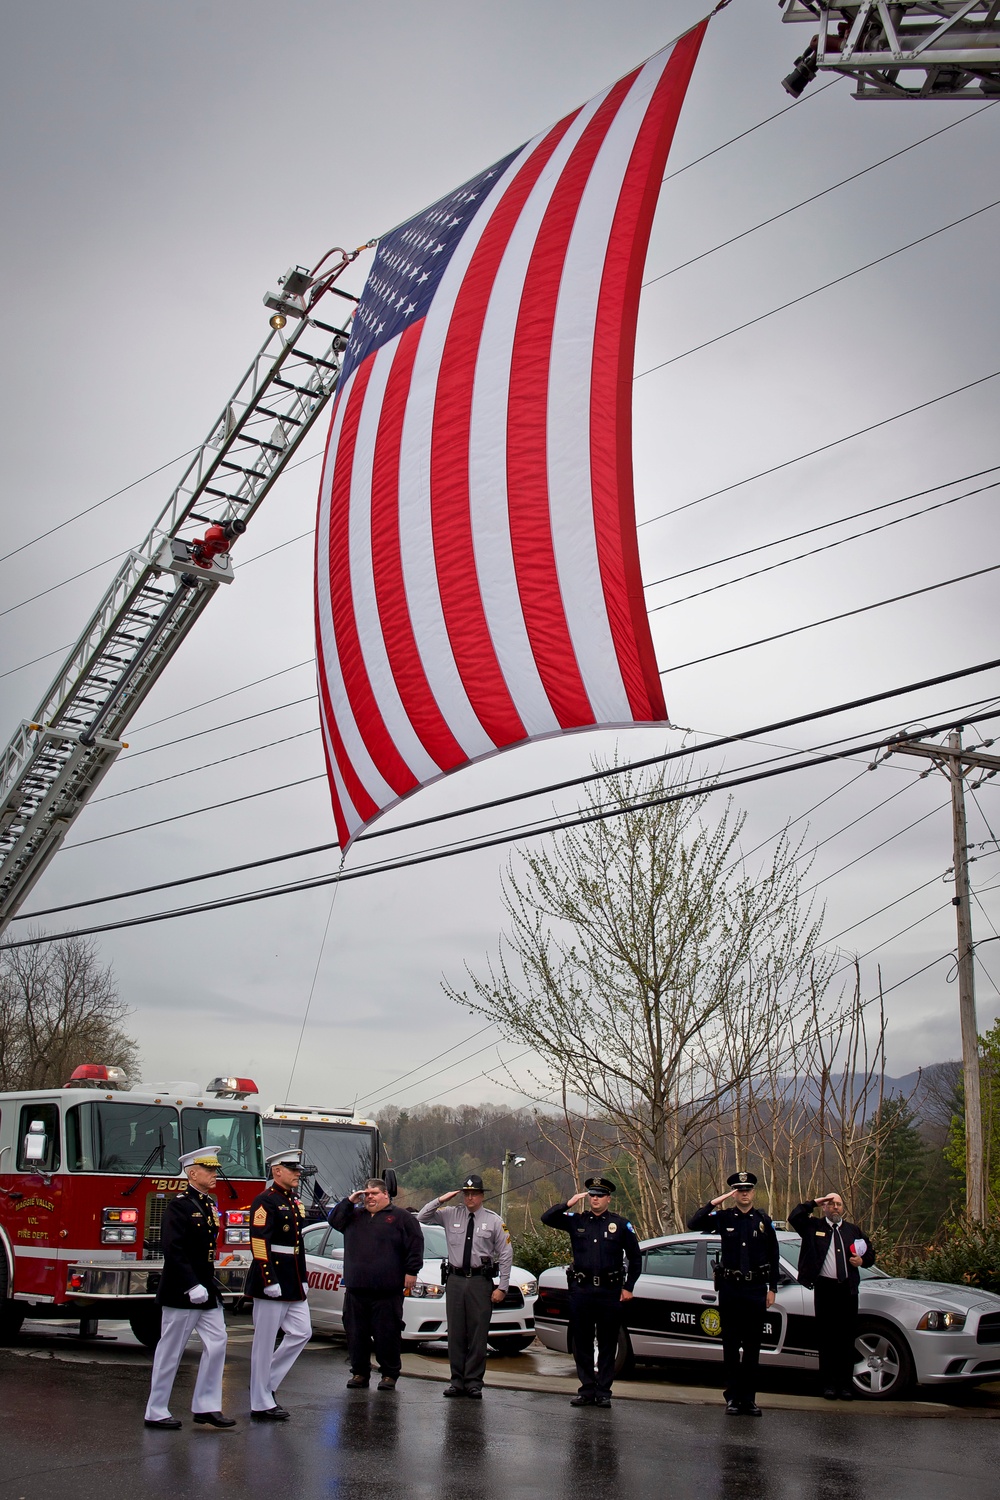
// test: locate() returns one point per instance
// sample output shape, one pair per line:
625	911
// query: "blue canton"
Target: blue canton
409	265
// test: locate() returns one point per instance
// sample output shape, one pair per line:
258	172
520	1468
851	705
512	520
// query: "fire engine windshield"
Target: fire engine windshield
122	1137
235	1135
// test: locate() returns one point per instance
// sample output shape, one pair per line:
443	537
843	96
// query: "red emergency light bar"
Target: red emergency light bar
97	1075
232	1088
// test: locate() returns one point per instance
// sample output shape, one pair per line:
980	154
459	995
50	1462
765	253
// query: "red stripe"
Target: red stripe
363	803
419	702
611	386
454	554
527	486
357	684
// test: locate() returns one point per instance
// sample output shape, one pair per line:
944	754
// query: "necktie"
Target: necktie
467	1253
841	1256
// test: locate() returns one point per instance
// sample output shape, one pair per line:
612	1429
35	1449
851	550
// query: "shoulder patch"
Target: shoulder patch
260	1216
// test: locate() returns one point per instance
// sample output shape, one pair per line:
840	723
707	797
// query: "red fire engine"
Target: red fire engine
85	1174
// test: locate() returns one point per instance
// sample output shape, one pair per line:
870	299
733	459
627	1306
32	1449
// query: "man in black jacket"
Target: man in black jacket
188	1295
833	1251
383	1251
277	1282
747	1279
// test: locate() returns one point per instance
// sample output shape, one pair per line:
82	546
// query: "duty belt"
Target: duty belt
603	1278
472	1271
759	1273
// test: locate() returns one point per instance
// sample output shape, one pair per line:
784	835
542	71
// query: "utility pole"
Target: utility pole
509	1160
954	762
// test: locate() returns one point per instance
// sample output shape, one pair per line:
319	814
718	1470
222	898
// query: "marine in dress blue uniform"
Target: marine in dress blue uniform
277	1282
747	1280
606	1266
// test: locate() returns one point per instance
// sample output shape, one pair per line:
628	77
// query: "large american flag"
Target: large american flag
477	572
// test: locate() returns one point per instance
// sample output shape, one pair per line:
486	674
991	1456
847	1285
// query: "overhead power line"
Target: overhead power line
823	448
494	841
813	94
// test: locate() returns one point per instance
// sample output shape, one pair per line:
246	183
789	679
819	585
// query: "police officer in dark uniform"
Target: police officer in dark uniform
747	1279
277	1282
599	1282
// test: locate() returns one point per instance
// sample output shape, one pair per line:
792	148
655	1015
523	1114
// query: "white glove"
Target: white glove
272	1291
198	1295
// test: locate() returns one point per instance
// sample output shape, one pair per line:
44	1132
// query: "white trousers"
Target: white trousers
269	1366
178	1325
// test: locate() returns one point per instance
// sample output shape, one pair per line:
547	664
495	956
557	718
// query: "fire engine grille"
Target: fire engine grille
152	1242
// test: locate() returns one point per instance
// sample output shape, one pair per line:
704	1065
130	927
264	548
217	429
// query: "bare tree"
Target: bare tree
641	953
59	1007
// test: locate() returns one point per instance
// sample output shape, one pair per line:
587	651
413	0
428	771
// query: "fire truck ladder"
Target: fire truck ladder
901	49
56	760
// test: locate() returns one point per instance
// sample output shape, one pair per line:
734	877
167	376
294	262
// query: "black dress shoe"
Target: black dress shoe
750	1409
271	1414
453	1390
474	1392
169	1424
829	1394
602	1399
582	1400
732	1407
846	1394
213	1418
387	1383
359	1382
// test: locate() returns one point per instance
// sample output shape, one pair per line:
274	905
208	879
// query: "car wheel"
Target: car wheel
11	1315
883	1366
145	1324
511	1343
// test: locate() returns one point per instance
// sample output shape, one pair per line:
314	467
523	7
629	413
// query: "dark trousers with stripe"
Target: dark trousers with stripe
469	1302
595	1317
836	1305
742	1310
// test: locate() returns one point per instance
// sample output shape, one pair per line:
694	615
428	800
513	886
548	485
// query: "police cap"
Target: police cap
473	1184
600	1187
741	1180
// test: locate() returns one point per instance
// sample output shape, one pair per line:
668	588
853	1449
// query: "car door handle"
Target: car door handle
706	1298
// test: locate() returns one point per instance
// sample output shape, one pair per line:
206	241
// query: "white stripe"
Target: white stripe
416	536
353	740
488	453
568	425
366	614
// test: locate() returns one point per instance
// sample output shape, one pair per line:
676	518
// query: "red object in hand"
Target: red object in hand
209	547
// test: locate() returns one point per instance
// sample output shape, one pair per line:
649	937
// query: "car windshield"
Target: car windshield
435	1243
123	1137
790	1249
235	1135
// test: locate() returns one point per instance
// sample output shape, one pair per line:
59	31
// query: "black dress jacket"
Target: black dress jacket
600	1242
279	1256
189	1237
816	1238
380	1250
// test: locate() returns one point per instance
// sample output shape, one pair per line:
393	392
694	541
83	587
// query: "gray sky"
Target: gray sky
164	164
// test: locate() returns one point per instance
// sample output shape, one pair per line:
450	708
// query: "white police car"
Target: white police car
512	1326
909	1332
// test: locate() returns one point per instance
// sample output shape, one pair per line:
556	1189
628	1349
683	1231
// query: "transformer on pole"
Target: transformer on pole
901	49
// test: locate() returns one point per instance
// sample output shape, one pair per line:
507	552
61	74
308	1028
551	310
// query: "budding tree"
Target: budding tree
650	969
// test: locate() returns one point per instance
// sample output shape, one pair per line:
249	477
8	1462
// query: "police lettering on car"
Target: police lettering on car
746	1276
606	1266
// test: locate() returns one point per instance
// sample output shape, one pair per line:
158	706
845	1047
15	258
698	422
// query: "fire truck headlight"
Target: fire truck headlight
237	1236
119	1226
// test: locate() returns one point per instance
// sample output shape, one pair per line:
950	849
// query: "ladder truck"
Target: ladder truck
901	49
56	759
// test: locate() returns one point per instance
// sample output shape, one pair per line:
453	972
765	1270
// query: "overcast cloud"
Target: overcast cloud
163	165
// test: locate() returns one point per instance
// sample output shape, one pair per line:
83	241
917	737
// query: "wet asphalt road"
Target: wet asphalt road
76	1430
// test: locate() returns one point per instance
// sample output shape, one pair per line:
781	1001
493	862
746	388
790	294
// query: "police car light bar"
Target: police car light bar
97	1075
231	1088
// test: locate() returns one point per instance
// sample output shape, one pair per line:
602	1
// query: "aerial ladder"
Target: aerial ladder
57	759
901	49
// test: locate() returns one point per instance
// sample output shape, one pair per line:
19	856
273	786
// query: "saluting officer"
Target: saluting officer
478	1249
599	1283
747	1281
188	1295
277	1282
